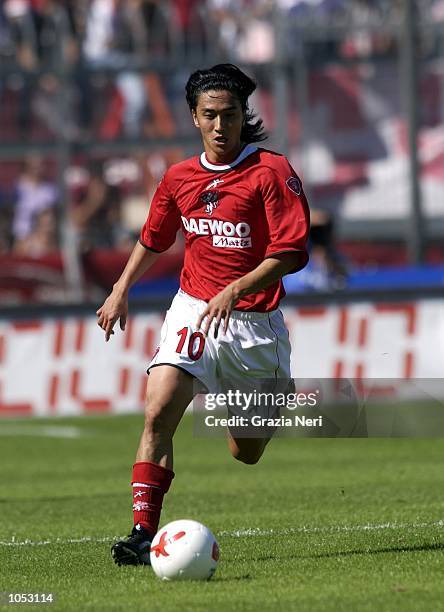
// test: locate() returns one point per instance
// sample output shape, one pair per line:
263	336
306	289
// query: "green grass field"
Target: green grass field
318	524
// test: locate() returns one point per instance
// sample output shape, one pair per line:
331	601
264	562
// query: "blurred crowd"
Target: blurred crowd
100	34
80	67
55	53
106	202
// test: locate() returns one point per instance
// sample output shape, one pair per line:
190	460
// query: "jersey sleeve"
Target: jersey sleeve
286	210
163	221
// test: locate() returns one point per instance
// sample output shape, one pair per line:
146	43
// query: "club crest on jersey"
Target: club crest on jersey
211	200
294	185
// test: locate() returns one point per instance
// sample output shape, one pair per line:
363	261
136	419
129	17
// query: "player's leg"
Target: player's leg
169	391
262	342
183	357
247	450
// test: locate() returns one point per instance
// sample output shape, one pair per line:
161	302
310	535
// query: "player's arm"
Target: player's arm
266	273
115	307
157	235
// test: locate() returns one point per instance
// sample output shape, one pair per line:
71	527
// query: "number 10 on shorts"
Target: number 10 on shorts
195	346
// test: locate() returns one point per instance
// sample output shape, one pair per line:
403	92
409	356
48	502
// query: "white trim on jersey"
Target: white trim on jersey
248	150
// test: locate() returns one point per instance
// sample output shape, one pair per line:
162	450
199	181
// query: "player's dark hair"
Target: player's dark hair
227	77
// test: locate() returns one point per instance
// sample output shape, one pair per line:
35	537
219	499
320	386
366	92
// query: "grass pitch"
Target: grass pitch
351	524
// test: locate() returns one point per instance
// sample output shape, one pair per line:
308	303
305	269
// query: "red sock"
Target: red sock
150	483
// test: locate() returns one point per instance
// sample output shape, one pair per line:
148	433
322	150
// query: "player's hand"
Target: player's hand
219	308
114	308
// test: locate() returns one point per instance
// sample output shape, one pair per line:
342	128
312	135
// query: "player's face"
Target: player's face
219	117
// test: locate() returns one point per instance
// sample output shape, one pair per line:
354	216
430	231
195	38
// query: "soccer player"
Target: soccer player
245	220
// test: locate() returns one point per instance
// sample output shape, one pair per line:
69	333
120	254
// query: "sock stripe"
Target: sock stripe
143	484
142	505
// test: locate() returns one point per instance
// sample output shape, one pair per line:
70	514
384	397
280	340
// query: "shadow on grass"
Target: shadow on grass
349	553
60	498
232	579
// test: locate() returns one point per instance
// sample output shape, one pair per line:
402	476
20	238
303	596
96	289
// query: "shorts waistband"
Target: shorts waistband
243	315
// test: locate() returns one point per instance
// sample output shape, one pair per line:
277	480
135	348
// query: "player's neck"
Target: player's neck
223	158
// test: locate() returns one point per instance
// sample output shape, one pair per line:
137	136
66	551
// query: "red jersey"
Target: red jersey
233	216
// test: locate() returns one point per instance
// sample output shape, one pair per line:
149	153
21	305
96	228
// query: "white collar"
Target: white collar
246	151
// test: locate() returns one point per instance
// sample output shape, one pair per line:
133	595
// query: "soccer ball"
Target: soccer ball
184	550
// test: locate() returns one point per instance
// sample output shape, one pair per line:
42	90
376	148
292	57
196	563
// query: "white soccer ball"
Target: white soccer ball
184	550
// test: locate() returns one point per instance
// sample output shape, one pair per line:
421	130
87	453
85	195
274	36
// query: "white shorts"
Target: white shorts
256	345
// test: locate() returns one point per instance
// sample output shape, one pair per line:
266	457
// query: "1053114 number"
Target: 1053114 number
26	598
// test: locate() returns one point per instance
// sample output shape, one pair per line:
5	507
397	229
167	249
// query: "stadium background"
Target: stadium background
93	112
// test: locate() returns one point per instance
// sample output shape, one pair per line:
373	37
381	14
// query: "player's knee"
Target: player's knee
246	451
156	423
249	458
